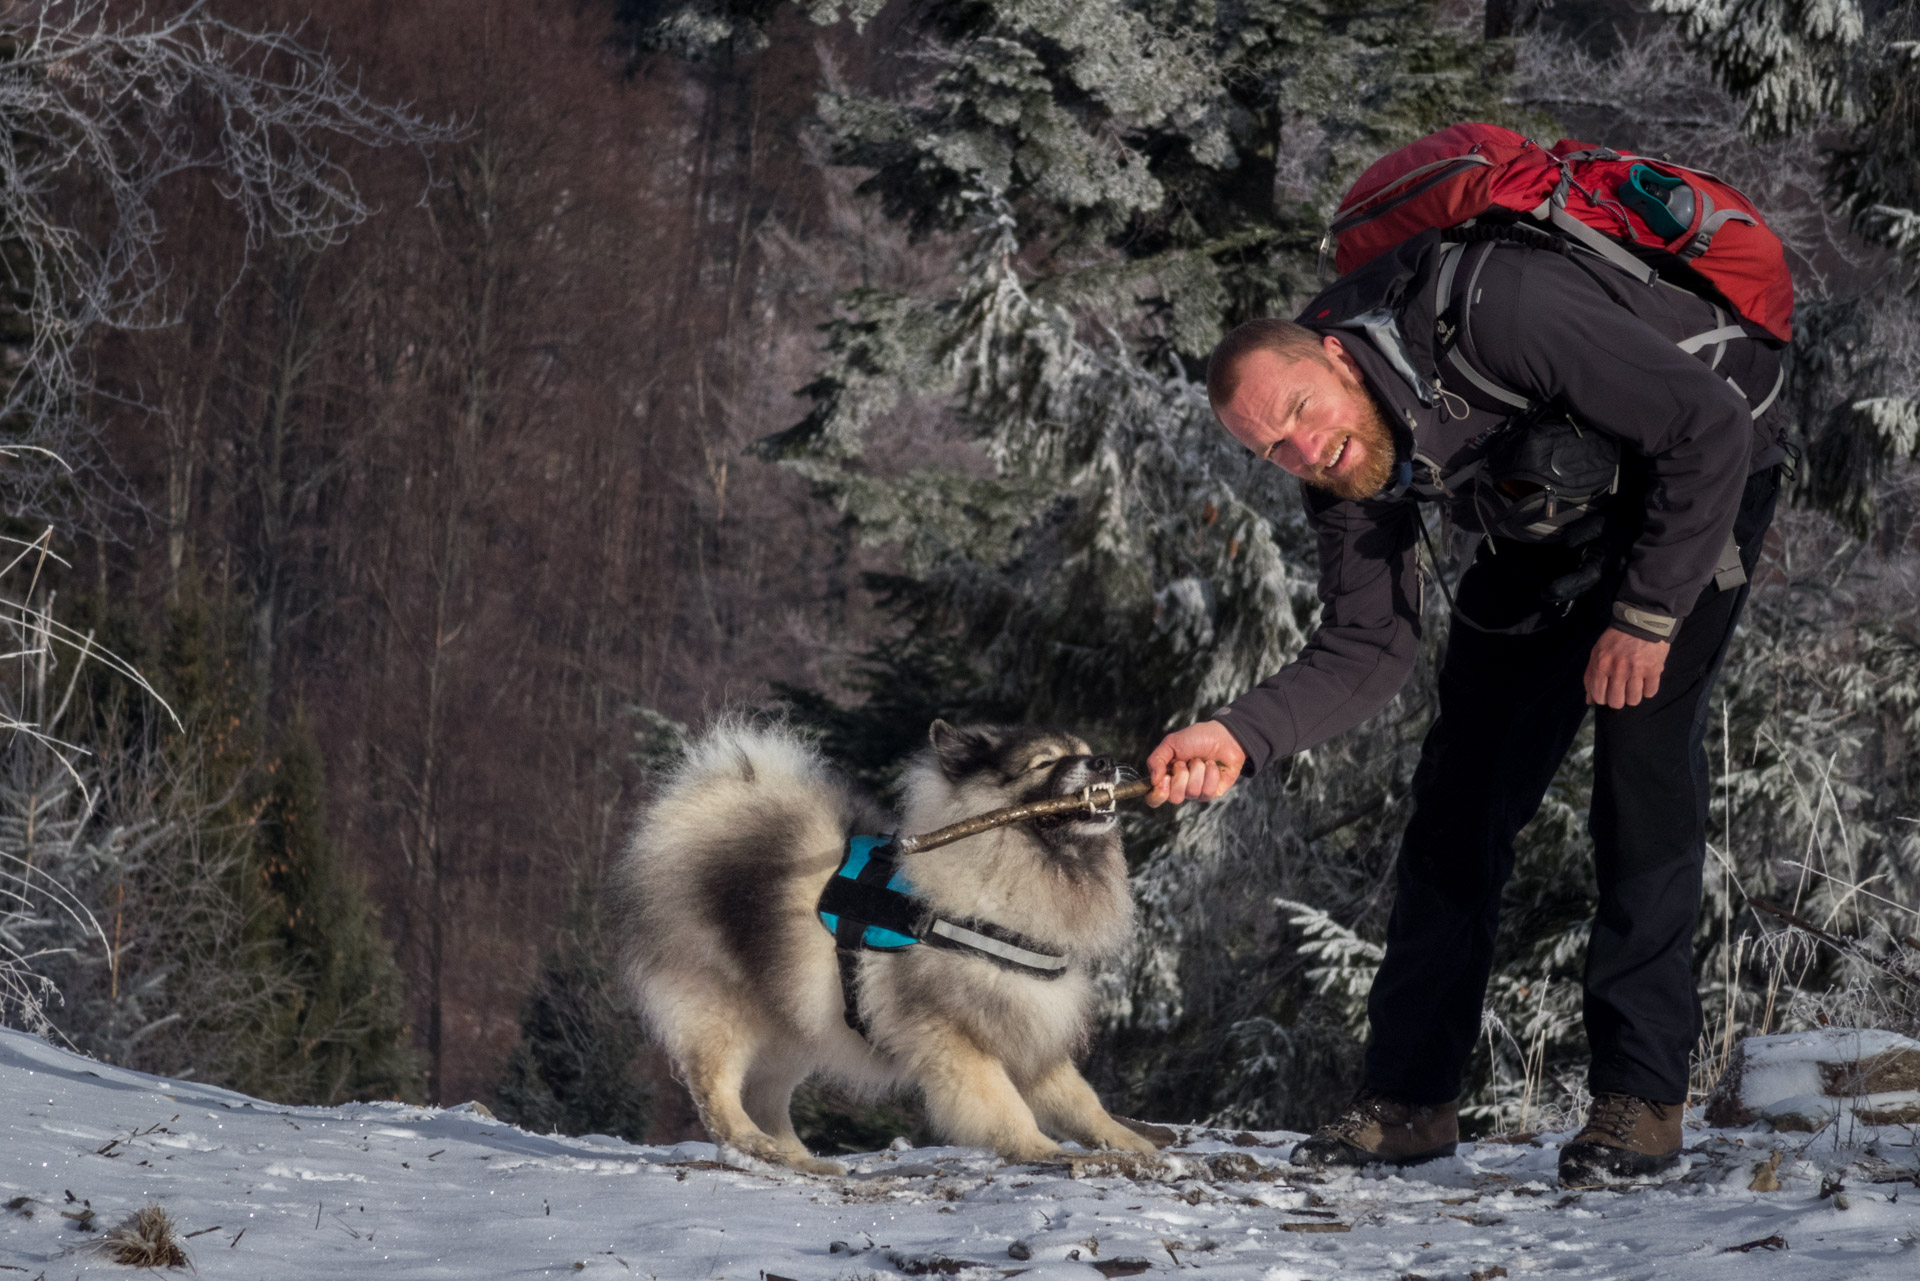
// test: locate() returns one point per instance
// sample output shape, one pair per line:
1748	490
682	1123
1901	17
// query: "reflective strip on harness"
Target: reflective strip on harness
1492	389
1012	953
869	905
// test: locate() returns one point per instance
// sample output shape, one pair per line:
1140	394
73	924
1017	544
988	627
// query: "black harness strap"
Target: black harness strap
863	902
859	902
867	901
849	959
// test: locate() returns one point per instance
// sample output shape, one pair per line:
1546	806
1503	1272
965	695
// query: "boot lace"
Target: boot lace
1615	1115
1350	1124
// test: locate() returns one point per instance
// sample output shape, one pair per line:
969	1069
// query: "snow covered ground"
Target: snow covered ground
379	1190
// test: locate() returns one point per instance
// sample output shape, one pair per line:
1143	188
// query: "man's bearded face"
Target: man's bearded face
1314	418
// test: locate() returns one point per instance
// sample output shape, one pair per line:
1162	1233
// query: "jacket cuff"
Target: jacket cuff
1252	744
1644	623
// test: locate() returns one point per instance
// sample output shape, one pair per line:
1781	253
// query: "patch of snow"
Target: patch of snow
1787	1064
385	1190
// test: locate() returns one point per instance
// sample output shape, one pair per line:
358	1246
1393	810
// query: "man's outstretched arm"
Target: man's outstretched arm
1352	666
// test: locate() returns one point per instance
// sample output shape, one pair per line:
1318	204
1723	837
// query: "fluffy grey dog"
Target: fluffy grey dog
729	962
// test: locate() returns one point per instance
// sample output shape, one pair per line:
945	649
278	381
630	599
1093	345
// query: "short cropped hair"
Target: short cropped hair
1281	337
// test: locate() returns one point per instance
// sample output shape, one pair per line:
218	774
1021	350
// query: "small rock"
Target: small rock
1237	1167
1834	1063
1127	1165
1801	1114
1893	1107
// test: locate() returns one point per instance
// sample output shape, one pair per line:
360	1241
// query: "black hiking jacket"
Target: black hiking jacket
1577	336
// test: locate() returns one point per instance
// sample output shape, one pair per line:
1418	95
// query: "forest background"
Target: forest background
625	362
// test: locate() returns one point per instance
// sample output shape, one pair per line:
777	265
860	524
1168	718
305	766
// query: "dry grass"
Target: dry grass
145	1239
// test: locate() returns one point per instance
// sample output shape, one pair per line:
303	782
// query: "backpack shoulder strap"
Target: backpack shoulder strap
1452	337
1455	337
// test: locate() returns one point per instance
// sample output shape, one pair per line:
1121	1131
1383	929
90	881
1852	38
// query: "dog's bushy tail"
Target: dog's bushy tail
750	823
744	789
736	754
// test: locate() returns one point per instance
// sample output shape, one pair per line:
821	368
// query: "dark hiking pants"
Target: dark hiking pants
1509	708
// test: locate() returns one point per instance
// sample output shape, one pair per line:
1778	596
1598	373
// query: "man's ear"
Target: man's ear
1341	359
958	750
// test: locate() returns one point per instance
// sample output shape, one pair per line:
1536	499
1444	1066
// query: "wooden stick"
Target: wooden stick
1097	799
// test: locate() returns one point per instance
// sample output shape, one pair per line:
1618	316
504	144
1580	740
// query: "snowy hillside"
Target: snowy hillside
378	1190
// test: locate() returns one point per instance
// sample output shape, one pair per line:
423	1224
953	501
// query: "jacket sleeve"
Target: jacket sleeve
1364	648
1546	328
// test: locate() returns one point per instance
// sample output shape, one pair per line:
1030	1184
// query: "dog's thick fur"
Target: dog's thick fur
737	977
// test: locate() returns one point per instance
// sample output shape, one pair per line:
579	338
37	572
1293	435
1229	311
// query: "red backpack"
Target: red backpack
1675	217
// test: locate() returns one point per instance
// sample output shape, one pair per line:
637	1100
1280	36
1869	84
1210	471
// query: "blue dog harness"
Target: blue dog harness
869	905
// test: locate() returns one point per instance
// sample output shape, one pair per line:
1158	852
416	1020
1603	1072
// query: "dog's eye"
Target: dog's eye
1042	761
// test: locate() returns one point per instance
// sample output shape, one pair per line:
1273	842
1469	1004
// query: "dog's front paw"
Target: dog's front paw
1120	1137
1031	1152
814	1165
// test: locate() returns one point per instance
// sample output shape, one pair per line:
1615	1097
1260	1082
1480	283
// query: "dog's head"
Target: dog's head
1060	877
969	770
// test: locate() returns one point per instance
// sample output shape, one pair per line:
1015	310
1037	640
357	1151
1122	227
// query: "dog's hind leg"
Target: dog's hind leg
714	1064
769	1101
1064	1103
971	1100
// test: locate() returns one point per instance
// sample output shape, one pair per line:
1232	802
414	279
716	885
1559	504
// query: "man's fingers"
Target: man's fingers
1210	781
1157	762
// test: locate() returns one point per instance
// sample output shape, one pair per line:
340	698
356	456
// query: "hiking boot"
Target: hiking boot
1380	1128
1623	1138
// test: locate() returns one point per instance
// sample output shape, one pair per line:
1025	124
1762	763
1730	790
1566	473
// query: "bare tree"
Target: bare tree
104	108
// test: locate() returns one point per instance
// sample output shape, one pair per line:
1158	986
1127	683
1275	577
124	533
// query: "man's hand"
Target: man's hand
1624	669
1199	762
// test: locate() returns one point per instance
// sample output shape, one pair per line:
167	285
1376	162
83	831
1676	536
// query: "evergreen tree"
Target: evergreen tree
187	914
1844	70
346	1035
574	1069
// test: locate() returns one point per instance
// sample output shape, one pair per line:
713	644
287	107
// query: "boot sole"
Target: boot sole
1346	1156
1594	1164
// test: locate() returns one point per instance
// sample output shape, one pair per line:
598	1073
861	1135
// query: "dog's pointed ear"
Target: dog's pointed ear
957	750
